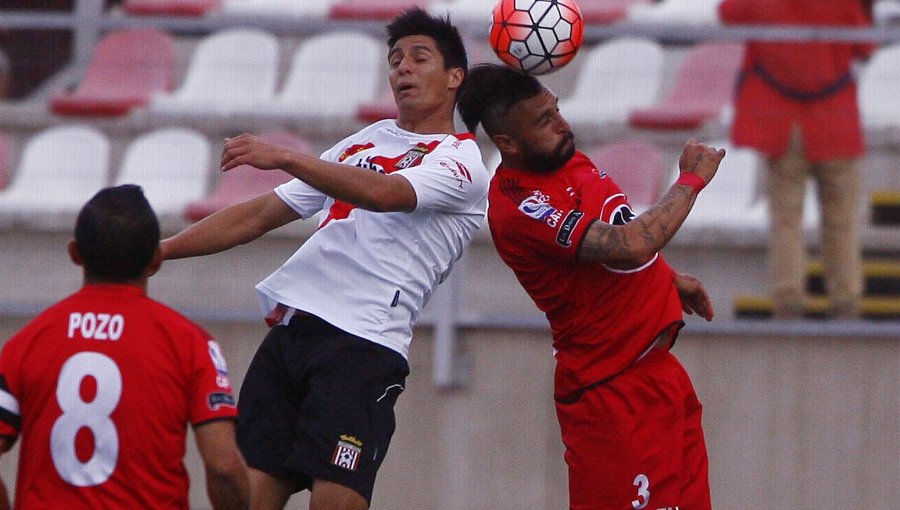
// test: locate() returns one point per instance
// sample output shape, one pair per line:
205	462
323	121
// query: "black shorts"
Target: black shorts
318	403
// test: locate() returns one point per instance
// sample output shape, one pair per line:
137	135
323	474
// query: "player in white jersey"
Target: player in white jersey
400	199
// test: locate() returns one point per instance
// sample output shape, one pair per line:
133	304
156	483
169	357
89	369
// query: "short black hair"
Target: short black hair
488	93
117	234
415	21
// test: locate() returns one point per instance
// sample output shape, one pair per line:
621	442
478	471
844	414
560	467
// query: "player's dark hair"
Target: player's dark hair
117	234
488	93
415	21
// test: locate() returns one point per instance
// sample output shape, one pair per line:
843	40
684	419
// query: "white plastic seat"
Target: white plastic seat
278	8
230	71
331	76
878	85
683	12
171	164
61	168
616	77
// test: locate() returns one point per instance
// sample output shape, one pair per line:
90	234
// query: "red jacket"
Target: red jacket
792	82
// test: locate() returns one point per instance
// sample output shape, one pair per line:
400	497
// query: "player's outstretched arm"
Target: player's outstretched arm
229	227
227	482
366	189
633	244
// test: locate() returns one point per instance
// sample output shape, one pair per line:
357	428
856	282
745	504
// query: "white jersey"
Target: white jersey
370	273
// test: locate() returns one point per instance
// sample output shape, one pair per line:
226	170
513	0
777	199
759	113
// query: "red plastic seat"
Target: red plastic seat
381	108
607	11
367	9
128	67
635	165
171	7
703	86
245	182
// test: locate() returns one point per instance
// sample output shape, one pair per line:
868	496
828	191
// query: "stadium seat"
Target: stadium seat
704	84
878	84
615	77
278	8
171	7
369	10
635	165
60	169
383	107
684	12
331	75
607	11
127	68
231	71
171	164
245	182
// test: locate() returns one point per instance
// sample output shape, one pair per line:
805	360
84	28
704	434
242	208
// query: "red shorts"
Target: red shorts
636	442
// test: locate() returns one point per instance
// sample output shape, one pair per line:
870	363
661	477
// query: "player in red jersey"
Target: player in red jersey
629	416
102	385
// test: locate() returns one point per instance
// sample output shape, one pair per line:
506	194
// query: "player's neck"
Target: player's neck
438	121
141	283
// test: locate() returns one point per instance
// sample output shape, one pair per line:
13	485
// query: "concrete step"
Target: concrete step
885	206
882	278
760	307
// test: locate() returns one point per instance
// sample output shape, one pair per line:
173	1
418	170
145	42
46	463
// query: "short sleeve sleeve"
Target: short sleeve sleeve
211	395
453	178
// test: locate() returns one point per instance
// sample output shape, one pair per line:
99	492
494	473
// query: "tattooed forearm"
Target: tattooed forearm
632	244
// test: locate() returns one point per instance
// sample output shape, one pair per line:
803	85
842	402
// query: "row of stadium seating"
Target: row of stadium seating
694	12
338	76
61	167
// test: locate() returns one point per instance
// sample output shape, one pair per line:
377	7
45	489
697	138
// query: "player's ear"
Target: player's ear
506	144
74	253
456	76
155	263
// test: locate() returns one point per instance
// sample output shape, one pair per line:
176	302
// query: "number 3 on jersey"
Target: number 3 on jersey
93	415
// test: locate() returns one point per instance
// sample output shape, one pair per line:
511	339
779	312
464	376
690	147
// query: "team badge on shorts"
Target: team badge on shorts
347	452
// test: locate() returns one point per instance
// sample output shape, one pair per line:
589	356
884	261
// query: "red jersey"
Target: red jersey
602	318
808	83
101	387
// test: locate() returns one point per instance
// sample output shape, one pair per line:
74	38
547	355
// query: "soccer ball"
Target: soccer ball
536	36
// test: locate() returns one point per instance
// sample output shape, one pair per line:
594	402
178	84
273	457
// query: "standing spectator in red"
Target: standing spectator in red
796	104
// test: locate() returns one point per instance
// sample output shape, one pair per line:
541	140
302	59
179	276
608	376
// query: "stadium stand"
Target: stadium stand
685	12
127	68
245	182
383	107
615	77
231	71
171	7
60	169
635	165
878	85
369	10
608	11
171	164
331	75
704	84
278	8
4	161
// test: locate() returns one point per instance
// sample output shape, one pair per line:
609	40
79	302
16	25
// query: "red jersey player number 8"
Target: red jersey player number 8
93	415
